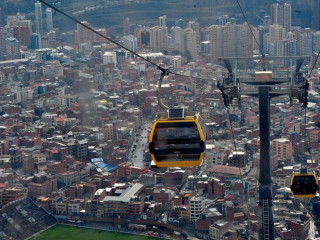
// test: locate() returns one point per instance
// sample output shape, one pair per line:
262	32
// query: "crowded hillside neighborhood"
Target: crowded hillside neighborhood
76	116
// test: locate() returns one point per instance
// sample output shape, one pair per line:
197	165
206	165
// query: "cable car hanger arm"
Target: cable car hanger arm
164	72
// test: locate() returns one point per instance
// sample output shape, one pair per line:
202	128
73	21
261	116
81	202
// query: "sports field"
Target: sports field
64	232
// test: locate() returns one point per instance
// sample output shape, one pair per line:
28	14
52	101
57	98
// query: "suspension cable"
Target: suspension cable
305	133
161	104
305	104
240	172
245	18
314	64
167	71
234	141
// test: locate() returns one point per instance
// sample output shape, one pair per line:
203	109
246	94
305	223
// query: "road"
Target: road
136	153
312	230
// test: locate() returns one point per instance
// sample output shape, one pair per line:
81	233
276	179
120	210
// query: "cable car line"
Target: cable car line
314	64
233	139
260	49
167	71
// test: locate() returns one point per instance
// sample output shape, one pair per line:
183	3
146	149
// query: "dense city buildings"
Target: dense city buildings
76	113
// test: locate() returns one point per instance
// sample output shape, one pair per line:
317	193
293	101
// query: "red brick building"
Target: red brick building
215	188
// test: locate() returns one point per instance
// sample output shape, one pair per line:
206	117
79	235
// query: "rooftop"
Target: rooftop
126	195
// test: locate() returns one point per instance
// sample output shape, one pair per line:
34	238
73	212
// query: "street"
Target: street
136	153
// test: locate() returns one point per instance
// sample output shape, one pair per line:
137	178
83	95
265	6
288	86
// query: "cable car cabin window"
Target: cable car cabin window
304	185
177	141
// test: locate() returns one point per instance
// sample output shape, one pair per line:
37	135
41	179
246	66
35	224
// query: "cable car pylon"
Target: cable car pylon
265	85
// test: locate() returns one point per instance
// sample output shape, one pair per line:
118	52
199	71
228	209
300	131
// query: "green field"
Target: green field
61	232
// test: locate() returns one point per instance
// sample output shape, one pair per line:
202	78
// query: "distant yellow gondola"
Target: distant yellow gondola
177	141
304	185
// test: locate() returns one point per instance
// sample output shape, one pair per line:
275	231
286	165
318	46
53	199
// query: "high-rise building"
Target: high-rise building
223	20
97	38
316	41
49	19
82	34
52	39
216	35
120	56
288	47
143	36
283	48
191	42
177	36
20	22
282	147
4	34
276	33
22	28
163	21
126	26
24	94
180	23
22	34
281	14
196	27
306	44
110	57
12	48
196	207
1	18
158	38
34	44
38	17
231	40
266	20
130	42
316	15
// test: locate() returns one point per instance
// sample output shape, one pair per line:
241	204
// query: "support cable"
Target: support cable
305	104
245	18
314	64
305	133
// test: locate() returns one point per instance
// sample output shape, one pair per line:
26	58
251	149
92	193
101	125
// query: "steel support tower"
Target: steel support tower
266	226
265	85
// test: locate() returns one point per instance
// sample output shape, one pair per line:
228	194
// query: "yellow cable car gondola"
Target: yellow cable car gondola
177	141
304	185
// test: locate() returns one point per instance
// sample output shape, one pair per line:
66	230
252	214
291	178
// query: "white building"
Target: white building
49	19
196	207
13	48
191	42
177	36
176	61
158	38
306	44
110	57
38	16
24	94
52	69
66	100
130	42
